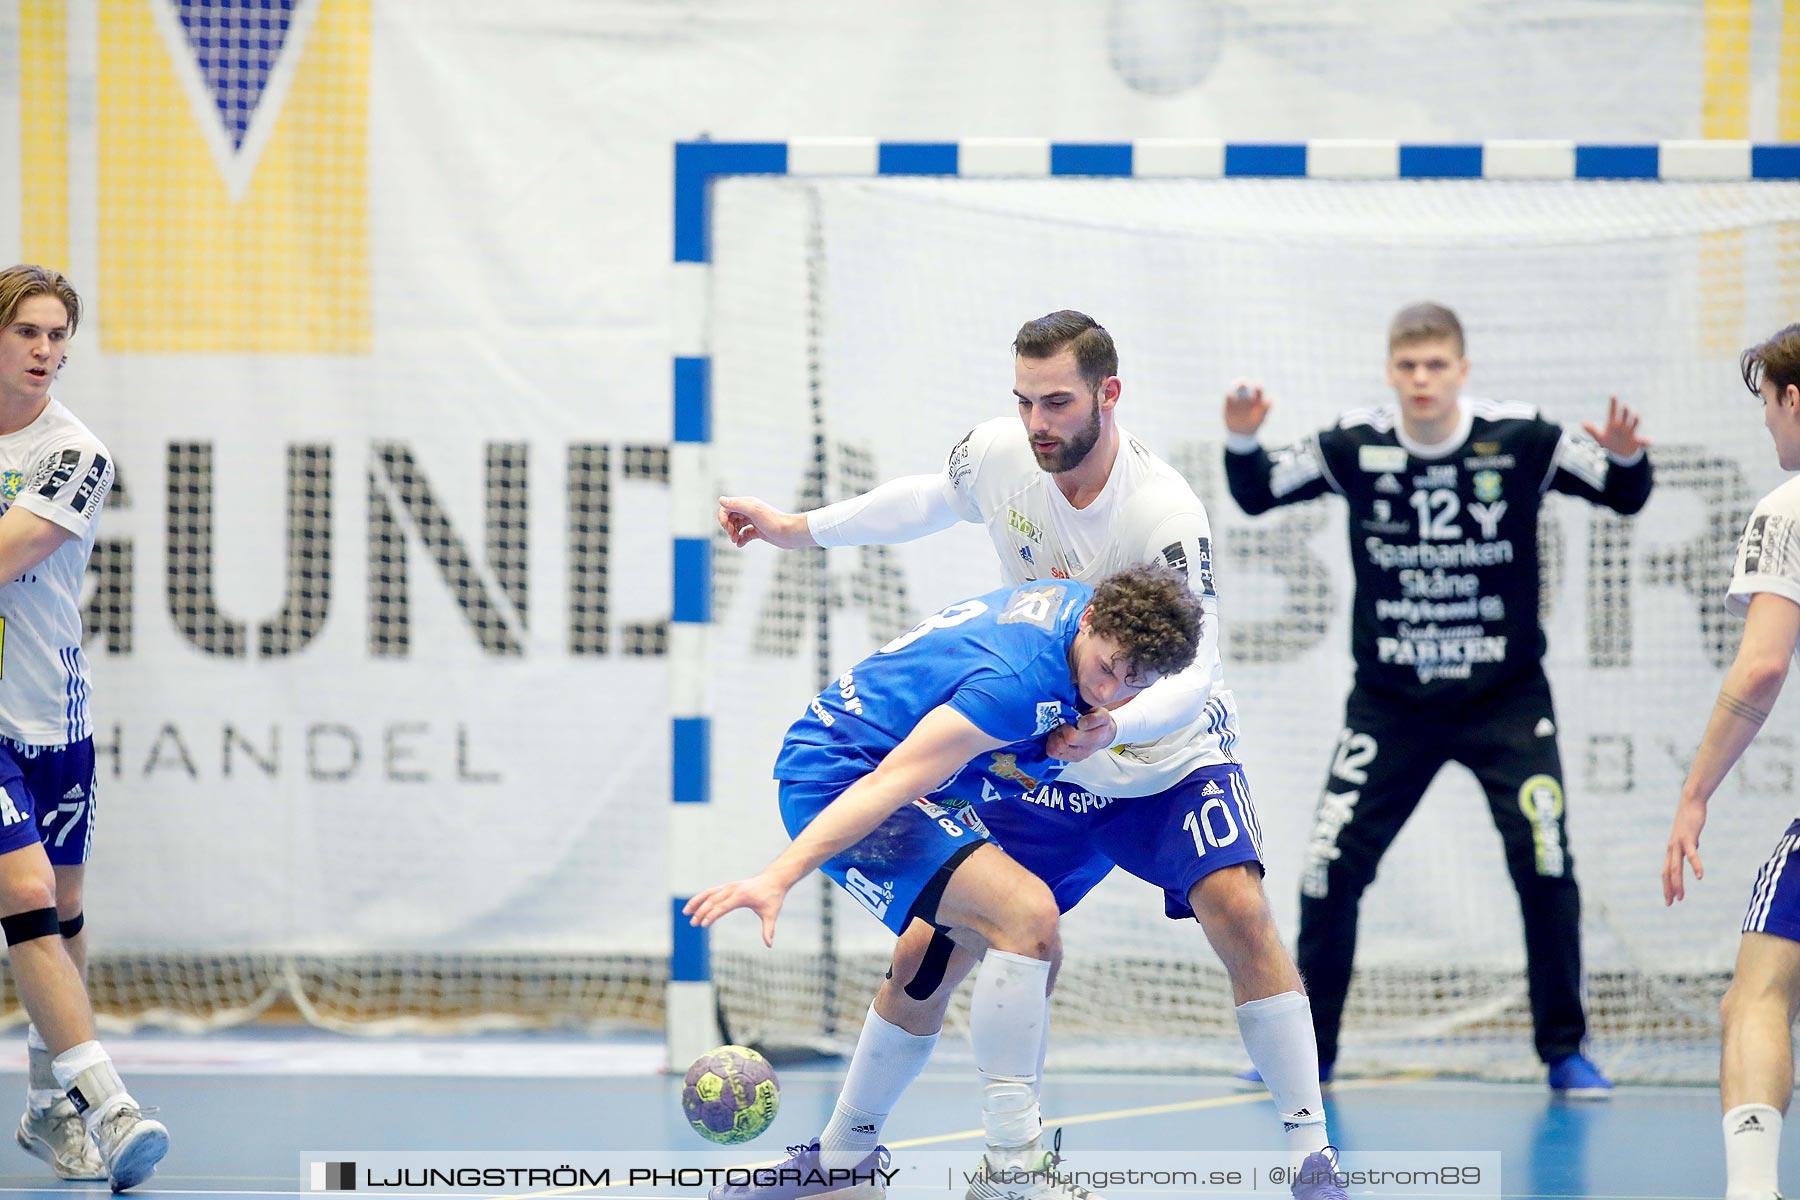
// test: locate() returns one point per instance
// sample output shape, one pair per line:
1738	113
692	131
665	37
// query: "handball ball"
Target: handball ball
730	1095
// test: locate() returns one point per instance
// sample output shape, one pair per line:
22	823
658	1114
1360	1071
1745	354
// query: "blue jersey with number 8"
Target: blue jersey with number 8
1001	660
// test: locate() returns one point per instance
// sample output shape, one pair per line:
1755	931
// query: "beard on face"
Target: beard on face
1068	455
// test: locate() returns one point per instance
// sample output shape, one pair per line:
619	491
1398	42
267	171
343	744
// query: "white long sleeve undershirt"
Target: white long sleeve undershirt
899	510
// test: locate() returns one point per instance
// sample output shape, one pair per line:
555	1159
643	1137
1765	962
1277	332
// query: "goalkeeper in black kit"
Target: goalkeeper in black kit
1443	493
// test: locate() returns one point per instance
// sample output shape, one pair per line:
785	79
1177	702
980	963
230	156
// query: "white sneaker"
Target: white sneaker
1042	1181
57	1136
131	1145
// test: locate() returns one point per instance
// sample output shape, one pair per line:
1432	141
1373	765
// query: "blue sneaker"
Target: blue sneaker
1579	1079
802	1178
1252	1080
1317	1177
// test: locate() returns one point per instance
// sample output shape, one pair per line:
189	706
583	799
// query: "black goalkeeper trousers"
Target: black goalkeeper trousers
1385	759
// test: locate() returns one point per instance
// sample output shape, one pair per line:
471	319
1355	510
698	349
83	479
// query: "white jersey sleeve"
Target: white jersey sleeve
913	506
69	481
899	510
973	491
1768	557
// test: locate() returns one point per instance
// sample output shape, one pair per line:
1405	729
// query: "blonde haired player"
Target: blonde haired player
54	476
1756	1065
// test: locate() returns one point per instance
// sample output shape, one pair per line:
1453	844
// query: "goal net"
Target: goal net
860	327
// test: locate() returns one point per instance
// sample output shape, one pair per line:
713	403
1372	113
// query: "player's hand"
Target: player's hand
746	519
761	894
1096	731
1684	849
1620	435
1245	407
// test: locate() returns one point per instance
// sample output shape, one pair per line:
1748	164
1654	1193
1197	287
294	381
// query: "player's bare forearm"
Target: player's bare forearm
942	742
1737	717
1748	695
26	540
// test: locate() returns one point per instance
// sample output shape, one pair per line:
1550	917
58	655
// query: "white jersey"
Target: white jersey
1145	513
57	469
1768	557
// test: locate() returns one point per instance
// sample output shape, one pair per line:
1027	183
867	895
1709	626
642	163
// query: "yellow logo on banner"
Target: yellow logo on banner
234	178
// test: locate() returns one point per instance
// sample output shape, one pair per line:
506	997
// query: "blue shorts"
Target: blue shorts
49	798
889	870
1775	900
1172	839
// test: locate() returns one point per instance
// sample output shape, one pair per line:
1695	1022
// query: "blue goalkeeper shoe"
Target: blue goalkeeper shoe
1317	1177
1579	1079
801	1177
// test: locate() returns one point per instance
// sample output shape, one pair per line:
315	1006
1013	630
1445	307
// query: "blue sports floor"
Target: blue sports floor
244	1110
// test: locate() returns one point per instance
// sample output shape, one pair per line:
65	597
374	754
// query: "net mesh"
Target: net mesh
898	299
306	923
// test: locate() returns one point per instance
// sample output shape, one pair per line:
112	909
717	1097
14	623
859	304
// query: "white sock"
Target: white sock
886	1061
1278	1033
87	1070
1006	1030
41	1091
1044	1045
1752	1145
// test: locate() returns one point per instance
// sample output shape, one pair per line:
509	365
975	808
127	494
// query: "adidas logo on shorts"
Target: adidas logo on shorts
73	793
1212	789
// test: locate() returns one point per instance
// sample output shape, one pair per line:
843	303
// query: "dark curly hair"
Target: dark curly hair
1150	613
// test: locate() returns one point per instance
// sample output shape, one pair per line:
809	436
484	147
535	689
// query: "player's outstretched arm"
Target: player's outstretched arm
1751	687
1620	433
939	745
1617	475
761	894
746	519
26	540
1246	408
1257	479
899	510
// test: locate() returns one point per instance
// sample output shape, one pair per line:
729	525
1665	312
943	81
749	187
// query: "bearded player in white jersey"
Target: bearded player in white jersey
54	476
1078	497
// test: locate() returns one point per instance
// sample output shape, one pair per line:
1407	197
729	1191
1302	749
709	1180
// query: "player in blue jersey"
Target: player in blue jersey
998	672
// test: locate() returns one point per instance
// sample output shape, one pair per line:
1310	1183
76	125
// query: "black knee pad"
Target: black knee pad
29	926
932	964
72	926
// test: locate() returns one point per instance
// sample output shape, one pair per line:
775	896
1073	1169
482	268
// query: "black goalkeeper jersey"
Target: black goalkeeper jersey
1444	548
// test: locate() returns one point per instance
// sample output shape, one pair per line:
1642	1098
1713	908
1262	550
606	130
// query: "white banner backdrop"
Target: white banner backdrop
506	245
